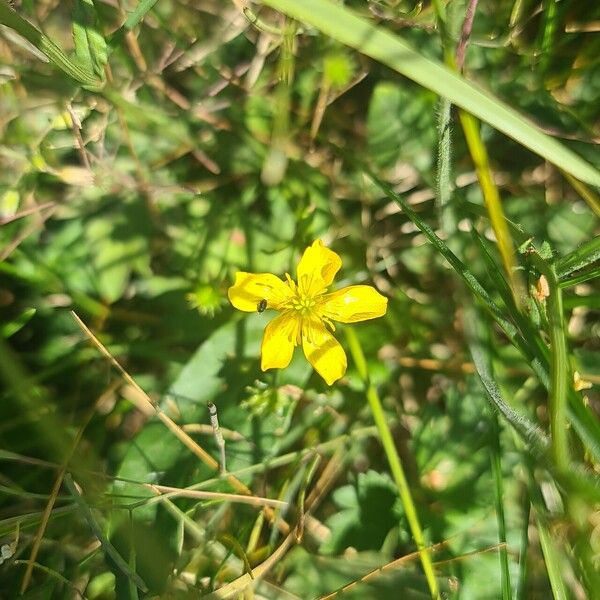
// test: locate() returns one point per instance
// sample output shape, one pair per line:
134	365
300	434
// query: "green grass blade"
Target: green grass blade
109	549
139	13
491	197
582	277
390	49
534	438
552	561
581	257
461	269
495	458
443	184
521	584
559	373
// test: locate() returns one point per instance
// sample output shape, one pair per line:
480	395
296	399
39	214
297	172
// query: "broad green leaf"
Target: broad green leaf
390	48
368	511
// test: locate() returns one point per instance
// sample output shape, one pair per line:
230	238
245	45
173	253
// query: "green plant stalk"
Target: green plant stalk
443	183
493	204
46	46
141	10
523	551
551	560
394	461
496	463
559	373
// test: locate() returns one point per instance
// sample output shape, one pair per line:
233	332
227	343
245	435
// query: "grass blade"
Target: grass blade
394	461
143	7
581	257
552	561
495	458
108	548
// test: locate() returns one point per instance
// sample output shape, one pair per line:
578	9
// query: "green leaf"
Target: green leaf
392	50
139	13
16	324
368	512
90	46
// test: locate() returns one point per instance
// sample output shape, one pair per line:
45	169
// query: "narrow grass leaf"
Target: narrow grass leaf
521	585
90	46
143	7
11	327
552	561
495	458
583	256
529	432
559	372
582	277
390	49
461	269
108	548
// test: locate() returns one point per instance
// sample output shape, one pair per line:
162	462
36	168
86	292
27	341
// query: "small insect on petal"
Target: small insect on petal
261	306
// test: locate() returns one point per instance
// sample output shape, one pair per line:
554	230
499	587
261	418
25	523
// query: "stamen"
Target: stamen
328	322
291	282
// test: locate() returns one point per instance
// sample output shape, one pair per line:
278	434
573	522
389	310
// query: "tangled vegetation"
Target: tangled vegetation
158	158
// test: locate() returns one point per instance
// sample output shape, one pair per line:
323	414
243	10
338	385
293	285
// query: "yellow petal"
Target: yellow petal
323	351
279	341
250	288
351	304
317	268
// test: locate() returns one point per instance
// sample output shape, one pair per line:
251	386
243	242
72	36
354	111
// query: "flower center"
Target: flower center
303	304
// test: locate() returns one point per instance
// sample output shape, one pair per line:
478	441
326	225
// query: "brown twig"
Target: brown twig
465	34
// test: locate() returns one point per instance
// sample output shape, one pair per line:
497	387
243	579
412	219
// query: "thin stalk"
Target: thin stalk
523	550
559	373
493	203
394	462
552	560
495	451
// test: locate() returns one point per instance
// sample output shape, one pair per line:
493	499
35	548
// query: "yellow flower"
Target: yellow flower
307	311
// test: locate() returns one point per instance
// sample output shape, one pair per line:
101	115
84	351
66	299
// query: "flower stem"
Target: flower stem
394	461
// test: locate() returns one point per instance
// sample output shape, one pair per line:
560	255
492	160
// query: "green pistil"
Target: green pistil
303	304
